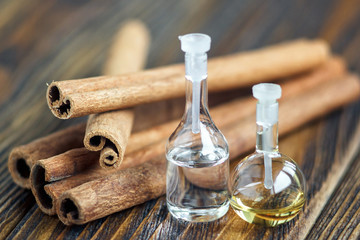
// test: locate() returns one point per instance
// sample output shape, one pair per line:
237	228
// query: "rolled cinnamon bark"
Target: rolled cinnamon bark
56	168
121	190
75	167
74	98
333	68
52	191
128	54
22	158
72	161
110	131
106	195
21	161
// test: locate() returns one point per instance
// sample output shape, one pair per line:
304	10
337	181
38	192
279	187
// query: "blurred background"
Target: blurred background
42	41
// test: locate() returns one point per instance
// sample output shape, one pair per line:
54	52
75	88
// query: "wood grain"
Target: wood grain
41	42
341	216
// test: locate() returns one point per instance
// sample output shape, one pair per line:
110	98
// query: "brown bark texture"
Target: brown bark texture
74	98
147	144
22	158
56	168
121	190
50	145
109	132
114	192
222	115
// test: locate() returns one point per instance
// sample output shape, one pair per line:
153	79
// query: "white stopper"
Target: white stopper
195	43
267	107
266	92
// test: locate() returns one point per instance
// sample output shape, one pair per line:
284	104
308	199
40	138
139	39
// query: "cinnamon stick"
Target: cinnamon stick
127	188
75	167
147	144
74	98
82	165
332	68
22	158
56	168
110	131
106	195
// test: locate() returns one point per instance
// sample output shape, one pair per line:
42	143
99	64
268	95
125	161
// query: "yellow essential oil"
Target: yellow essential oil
267	216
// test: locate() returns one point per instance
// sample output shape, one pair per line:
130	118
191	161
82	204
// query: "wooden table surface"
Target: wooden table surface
41	41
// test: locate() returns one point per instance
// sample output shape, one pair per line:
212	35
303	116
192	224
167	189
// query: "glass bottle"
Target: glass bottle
197	152
267	187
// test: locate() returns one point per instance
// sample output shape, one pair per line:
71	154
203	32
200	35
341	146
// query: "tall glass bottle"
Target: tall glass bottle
267	187
197	152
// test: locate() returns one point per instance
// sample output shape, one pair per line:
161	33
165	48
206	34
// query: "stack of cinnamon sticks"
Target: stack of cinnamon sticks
94	169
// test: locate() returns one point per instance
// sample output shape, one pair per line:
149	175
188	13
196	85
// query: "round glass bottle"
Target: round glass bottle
197	152
267	187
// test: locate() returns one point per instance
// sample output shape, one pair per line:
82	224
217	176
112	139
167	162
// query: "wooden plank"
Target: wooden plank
340	218
122	225
14	209
33	230
69	40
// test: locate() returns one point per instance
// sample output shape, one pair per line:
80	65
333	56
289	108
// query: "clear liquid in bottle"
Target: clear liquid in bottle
198	193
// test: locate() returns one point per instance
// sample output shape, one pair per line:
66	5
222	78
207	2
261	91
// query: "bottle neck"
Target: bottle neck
196	66
190	88
267	127
196	88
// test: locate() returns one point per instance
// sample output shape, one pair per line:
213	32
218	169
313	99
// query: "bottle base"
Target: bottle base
266	221
198	215
267	217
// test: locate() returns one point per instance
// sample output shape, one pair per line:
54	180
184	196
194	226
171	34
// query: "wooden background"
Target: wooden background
41	41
